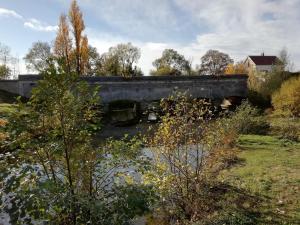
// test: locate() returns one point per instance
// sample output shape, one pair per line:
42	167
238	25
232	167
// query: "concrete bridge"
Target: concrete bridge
147	88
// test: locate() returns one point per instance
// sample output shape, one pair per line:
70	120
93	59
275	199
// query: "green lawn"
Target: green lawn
269	170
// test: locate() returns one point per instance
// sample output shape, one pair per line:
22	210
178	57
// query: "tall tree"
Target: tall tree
78	27
171	63
84	50
214	63
63	42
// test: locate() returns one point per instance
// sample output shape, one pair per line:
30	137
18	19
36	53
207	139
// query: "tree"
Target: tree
189	151
81	42
4	54
63	42
237	68
171	63
284	63
5	72
36	58
120	60
214	63
61	176
286	100
94	61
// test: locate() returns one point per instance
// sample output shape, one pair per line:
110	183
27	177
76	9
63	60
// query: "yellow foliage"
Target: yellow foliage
238	68
230	69
3	122
63	42
286	100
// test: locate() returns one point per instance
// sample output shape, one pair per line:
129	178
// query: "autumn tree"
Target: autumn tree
81	41
121	60
36	58
63	41
238	68
214	63
171	63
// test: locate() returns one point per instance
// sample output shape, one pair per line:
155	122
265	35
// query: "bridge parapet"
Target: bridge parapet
150	88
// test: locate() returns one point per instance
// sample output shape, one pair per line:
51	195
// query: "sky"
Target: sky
236	27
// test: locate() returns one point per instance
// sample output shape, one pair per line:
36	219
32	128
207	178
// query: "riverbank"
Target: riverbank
269	170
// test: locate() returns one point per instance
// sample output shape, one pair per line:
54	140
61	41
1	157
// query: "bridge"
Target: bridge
147	88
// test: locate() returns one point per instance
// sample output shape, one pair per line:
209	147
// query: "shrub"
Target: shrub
286	101
190	149
286	128
247	120
263	85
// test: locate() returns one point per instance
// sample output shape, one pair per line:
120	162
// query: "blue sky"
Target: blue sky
237	27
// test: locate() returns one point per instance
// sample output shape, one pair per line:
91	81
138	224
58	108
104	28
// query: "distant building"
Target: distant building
261	63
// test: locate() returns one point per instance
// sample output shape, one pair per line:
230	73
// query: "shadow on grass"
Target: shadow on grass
238	206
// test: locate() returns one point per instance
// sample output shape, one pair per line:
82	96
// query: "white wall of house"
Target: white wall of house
250	65
264	68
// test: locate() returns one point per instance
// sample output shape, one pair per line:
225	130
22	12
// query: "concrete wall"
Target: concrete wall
11	86
151	88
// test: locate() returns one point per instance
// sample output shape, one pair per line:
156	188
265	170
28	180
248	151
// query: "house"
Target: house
260	63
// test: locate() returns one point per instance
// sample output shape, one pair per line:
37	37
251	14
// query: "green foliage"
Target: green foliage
263	85
214	63
247	120
54	174
119	61
37	57
286	128
171	63
286	101
5	72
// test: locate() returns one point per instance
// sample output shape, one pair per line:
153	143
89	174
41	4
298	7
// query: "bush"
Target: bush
263	85
286	101
286	128
189	150
247	120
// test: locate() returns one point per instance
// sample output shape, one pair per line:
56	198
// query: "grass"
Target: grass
6	109
270	170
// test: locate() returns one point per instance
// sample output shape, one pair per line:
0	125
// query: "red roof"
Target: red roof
264	60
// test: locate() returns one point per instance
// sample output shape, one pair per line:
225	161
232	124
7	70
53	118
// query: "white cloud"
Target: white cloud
33	24
237	27
241	28
37	25
9	13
